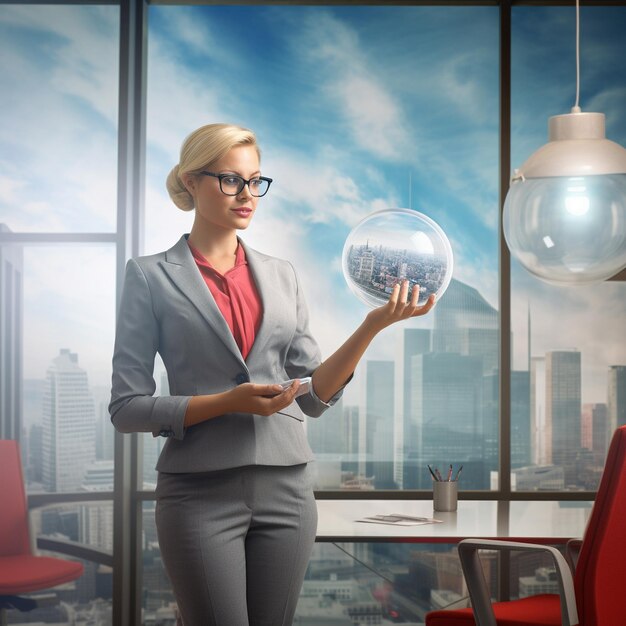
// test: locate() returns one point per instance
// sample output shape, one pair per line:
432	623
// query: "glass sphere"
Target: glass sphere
568	230
390	246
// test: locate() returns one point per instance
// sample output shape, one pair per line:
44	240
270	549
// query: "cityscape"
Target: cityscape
374	270
435	403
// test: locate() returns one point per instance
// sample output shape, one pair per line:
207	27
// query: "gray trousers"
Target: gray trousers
236	543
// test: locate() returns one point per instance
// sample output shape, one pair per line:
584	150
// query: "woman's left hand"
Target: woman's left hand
399	307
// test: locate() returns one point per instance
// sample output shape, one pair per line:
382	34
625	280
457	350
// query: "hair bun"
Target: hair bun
178	192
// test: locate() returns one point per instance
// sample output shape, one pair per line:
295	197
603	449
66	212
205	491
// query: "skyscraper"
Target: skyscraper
447	425
68	424
11	315
379	412
465	323
595	425
540	433
563	408
413	341
617	396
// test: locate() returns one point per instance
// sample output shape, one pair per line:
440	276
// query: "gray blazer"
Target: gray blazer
166	307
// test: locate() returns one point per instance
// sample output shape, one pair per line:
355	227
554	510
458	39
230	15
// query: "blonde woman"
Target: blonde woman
236	516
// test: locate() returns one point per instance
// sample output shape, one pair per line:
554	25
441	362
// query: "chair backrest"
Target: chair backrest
601	568
14	531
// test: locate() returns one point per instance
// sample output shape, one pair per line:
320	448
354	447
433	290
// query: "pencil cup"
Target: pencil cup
445	495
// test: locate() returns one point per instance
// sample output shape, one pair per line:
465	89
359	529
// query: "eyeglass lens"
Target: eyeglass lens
232	185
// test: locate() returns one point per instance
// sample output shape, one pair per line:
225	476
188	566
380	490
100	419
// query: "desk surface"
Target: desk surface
536	521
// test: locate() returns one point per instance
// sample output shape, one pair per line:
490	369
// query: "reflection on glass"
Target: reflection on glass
376	583
391	246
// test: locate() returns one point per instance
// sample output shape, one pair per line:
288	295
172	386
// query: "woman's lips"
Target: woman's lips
242	211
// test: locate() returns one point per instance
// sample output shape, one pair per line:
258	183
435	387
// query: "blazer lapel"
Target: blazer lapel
181	268
270	298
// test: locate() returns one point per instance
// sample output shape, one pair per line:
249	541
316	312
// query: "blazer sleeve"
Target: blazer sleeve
133	407
303	358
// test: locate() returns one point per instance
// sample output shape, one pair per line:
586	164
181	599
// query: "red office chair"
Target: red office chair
20	570
596	596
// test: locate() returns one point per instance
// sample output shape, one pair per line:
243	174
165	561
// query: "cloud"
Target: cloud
60	148
376	120
69	302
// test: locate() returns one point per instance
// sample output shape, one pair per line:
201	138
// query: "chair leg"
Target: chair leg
3	617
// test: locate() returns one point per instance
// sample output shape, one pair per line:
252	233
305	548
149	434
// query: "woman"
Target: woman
235	513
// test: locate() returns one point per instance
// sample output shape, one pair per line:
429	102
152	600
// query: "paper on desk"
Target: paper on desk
398	519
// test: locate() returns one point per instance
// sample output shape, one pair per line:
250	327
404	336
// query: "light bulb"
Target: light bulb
565	214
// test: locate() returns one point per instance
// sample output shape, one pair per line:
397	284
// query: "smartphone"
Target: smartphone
305	385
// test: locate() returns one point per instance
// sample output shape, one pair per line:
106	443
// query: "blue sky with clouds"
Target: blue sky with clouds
349	103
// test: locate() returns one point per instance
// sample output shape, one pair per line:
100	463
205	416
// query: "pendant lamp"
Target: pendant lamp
565	212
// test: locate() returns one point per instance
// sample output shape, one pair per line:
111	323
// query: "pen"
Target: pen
450	473
458	473
430	469
411	517
438	474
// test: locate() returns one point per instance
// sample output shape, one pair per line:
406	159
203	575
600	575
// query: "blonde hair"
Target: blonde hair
200	149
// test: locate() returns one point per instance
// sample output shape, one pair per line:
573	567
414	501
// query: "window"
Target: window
568	349
58	140
351	120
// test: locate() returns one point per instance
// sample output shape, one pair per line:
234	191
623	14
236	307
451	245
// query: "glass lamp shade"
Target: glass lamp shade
565	213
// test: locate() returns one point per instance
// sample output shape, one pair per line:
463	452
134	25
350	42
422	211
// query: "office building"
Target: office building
446	400
96	518
617	396
68	424
11	358
595	429
413	341
379	412
326	436
351	427
540	433
563	408
465	323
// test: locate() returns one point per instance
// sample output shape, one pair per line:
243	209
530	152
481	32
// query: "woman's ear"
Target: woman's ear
190	182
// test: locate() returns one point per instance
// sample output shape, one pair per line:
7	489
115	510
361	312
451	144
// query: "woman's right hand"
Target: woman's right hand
261	399
245	398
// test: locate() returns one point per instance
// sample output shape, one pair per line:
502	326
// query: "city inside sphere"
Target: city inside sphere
393	245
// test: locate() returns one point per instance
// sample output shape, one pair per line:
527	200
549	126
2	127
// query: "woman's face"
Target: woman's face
215	209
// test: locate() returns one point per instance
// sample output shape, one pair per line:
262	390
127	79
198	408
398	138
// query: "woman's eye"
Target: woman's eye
231	180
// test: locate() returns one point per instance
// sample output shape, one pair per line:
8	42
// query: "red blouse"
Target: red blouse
236	296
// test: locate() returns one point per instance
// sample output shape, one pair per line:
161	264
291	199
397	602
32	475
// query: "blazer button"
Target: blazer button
241	378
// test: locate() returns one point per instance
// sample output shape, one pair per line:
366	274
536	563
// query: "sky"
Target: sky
356	109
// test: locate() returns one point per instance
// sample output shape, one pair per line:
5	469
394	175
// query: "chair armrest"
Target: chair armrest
477	586
572	552
75	549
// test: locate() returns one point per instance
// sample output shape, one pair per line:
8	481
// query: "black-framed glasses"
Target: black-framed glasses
232	184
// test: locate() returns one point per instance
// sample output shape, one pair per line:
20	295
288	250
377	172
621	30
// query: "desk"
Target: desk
535	521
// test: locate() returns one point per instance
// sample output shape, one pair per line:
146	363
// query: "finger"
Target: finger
425	308
265	390
411	306
404	291
393	298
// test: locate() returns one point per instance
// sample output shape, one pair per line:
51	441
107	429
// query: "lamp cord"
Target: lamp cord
576	107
